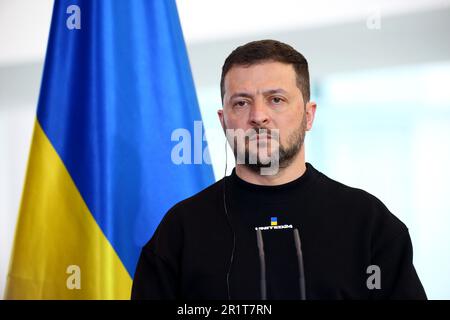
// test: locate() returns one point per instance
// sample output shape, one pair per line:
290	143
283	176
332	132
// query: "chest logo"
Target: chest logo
273	221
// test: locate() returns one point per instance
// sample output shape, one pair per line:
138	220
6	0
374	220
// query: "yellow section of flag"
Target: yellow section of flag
57	241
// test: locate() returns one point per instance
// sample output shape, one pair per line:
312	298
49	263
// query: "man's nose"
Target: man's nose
258	114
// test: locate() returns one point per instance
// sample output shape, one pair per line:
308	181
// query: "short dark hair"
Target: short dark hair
268	50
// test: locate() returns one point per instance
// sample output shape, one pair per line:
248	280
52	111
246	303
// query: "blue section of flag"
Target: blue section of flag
112	94
273	219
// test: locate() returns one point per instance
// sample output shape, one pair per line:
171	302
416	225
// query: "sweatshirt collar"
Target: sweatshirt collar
278	192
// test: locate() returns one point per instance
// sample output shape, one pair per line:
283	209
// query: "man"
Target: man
235	239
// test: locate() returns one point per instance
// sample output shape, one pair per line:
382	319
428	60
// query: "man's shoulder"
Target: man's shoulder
340	192
333	189
357	202
205	201
204	198
192	210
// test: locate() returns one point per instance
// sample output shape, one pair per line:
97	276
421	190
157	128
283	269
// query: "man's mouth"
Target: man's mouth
261	134
258	137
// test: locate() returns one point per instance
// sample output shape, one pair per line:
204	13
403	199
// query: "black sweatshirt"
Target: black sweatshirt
343	231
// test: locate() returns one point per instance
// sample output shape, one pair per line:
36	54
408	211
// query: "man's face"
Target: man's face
266	96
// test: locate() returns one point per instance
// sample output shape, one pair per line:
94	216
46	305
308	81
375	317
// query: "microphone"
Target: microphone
262	263
301	271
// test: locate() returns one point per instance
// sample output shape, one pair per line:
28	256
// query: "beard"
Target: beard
286	153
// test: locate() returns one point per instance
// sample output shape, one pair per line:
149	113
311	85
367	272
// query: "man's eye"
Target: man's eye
241	103
277	100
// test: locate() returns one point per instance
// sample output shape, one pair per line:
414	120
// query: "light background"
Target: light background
381	77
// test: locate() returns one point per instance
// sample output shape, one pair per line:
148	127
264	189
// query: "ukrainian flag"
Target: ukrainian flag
116	84
273	221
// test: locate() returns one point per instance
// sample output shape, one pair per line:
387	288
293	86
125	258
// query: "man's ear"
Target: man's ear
221	118
310	109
